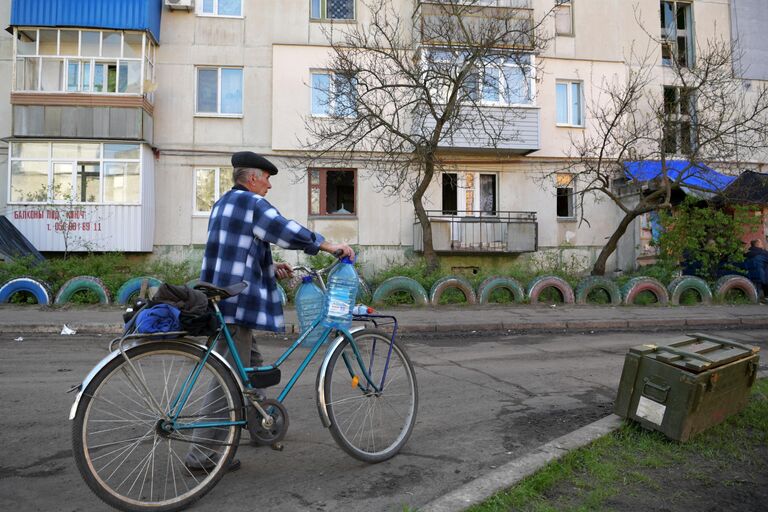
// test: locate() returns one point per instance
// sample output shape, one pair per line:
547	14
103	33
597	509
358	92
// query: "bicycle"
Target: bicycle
158	402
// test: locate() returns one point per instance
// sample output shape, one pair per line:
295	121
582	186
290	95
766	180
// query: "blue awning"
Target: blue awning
110	14
696	176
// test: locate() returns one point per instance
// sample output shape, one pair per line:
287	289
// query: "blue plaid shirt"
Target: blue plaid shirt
240	229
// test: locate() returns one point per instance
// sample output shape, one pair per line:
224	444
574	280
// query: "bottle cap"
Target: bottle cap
306	279
346	260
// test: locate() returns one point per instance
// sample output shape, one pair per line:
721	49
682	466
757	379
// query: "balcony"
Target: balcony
437	21
468	232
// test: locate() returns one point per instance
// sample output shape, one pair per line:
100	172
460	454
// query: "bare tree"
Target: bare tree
406	86
698	118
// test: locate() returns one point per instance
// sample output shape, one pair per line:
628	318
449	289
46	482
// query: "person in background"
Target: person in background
756	263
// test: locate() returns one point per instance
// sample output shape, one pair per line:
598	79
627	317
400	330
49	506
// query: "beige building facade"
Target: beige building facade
228	75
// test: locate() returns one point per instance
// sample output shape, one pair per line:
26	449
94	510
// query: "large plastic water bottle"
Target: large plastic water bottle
310	301
342	292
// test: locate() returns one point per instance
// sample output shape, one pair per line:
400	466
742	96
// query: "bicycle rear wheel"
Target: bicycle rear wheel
371	425
120	446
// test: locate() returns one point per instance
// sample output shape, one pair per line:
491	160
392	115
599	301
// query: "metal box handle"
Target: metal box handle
657	392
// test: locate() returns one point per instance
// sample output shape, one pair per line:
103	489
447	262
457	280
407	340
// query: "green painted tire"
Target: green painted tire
445	283
637	285
364	294
401	284
592	283
680	285
541	283
133	286
283	296
493	283
39	289
80	284
735	282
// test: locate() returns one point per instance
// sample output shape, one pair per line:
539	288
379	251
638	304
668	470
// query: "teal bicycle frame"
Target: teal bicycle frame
180	401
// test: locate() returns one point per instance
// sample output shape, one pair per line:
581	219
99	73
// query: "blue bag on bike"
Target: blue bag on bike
158	318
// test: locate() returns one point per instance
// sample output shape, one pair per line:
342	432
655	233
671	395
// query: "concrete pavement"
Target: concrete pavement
531	318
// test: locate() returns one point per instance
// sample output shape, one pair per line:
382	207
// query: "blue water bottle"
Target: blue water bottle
310	301
342	292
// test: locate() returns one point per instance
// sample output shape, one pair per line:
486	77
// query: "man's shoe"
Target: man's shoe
234	465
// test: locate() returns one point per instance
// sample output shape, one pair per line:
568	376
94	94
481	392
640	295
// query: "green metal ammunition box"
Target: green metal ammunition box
684	387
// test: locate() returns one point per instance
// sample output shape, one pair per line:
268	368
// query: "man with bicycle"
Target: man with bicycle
241	229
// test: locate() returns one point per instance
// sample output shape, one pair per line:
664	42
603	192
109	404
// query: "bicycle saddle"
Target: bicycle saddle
211	290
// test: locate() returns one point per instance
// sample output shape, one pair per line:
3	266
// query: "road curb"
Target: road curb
509	474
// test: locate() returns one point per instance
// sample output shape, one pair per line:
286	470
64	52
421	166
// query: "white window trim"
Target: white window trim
690	35
324	13
199	11
331	107
50	160
217	193
530	70
572	186
565	4
569	101
218	113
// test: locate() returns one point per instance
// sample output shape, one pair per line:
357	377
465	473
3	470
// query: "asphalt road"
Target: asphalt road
485	399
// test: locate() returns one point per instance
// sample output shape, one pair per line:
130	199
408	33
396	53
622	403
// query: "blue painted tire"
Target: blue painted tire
592	283
681	284
735	282
444	283
637	285
490	285
40	290
401	284
82	283
133	286
541	283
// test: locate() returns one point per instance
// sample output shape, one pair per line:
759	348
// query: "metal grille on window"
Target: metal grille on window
340	9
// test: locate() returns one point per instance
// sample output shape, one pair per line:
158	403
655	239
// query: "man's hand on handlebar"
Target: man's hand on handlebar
283	270
338	250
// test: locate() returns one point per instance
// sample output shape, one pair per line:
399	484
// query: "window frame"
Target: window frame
323	7
51	161
671	39
199	11
331	107
217	192
569	101
322	196
675	119
570	196
65	59
218	112
561	5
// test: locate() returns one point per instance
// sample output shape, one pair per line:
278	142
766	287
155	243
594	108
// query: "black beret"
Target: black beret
250	160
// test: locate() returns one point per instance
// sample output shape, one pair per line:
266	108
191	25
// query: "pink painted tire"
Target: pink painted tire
735	282
443	284
541	283
638	285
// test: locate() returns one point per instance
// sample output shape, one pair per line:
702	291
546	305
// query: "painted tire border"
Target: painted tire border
592	283
132	286
541	283
637	285
445	283
400	283
40	289
681	284
82	283
493	283
735	282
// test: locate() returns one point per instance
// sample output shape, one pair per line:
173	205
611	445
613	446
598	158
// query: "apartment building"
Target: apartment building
122	117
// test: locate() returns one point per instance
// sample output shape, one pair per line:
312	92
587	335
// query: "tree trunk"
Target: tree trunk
599	268
430	256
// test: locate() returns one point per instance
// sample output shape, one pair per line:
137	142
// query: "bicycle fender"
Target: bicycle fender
322	408
115	354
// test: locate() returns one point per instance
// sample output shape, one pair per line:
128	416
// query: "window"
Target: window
564	17
679	113
63	172
565	193
220	91
333	94
676	33
507	82
210	184
569	109
469	193
332	191
52	60
220	8
332	9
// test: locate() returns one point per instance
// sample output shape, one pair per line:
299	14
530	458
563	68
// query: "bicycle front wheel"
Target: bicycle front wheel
369	424
122	443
